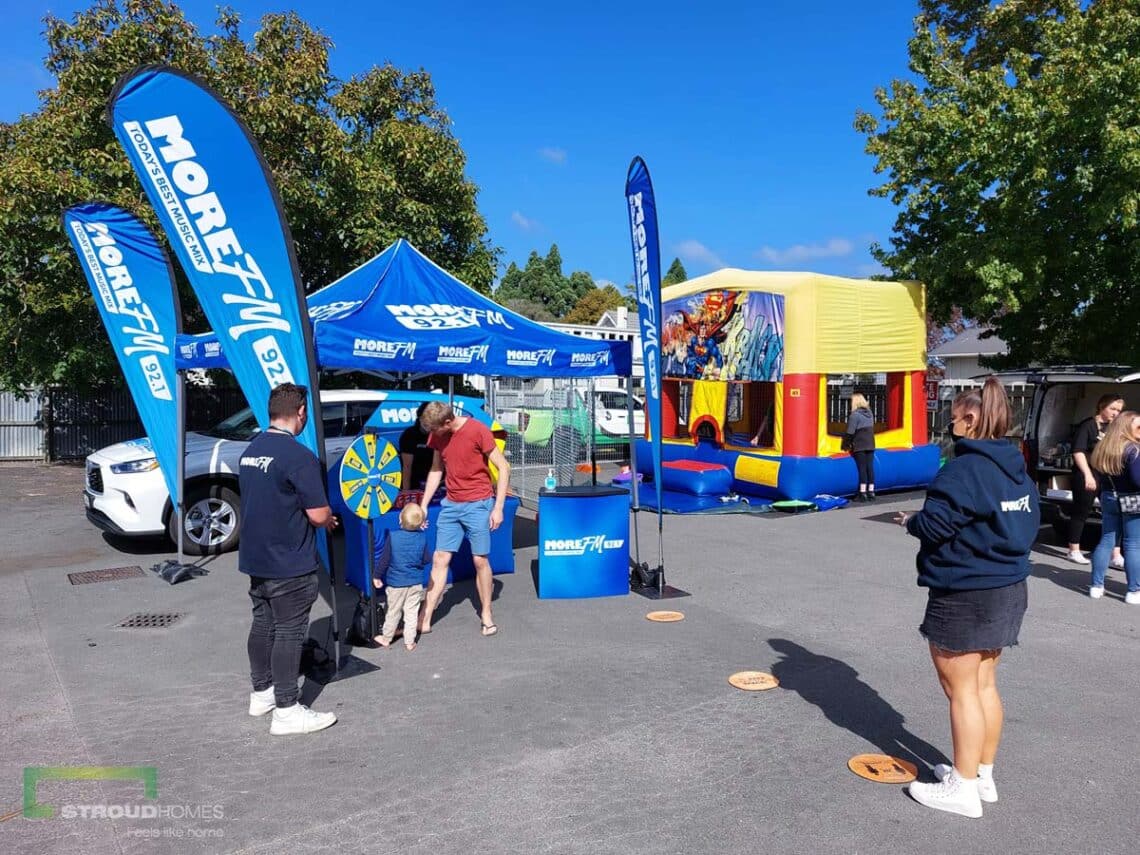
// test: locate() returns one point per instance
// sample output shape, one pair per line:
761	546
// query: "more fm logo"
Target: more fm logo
577	546
403	415
381	349
134	329
199	226
530	358
444	316
463	355
590	360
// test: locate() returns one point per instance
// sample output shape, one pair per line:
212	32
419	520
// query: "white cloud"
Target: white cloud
553	154
524	223
695	251
801	252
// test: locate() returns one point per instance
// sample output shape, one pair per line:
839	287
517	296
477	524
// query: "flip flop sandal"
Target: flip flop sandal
488	629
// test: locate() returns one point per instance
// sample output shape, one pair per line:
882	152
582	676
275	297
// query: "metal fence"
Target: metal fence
938	421
560	428
68	424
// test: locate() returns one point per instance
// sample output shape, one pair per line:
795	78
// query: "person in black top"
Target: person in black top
1116	460
415	455
1084	482
282	486
975	531
859	439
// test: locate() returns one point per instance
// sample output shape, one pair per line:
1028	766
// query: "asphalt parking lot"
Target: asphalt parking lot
580	728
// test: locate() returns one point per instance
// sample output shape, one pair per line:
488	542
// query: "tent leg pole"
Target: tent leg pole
179	501
633	472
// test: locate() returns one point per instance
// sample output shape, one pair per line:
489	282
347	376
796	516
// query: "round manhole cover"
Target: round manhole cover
753	681
665	617
883	768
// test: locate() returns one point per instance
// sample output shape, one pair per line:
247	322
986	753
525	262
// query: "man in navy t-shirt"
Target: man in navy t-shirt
283	502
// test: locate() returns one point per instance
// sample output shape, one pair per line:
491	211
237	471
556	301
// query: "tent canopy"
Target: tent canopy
400	311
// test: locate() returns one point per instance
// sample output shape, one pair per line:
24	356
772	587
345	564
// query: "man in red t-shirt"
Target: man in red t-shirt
463	447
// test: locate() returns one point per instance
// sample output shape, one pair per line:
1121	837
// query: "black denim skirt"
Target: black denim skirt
966	621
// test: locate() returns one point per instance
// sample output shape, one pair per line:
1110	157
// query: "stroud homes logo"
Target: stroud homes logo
463	355
530	358
577	546
149	808
442	316
381	349
138	330
590	360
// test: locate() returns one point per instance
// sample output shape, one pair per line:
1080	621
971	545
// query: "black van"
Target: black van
1064	396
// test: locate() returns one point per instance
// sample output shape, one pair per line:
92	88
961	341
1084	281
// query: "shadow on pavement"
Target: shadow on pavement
848	702
1072	577
157	545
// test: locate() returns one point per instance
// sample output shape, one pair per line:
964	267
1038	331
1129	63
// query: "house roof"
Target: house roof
970	343
609	318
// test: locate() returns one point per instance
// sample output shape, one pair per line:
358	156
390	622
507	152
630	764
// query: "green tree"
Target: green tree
358	162
530	309
1014	158
676	273
542	283
593	304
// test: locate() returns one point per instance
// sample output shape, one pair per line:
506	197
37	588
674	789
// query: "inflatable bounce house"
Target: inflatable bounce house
758	369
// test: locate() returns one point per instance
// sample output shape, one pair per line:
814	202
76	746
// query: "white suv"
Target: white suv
125	493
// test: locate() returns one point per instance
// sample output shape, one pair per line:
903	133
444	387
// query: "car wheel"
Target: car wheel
212	521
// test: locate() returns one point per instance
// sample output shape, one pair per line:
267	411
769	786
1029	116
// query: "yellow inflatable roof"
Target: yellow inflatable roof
834	325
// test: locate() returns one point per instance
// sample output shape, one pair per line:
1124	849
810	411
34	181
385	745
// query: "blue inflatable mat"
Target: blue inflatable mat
674	502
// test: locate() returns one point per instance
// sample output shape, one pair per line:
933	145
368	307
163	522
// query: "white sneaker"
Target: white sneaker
987	790
1132	598
262	702
1096	591
954	795
299	719
1117	563
1078	557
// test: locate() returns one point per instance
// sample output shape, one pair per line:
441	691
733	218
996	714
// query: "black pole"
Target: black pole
373	621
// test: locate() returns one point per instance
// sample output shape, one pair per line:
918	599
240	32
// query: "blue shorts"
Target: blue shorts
470	518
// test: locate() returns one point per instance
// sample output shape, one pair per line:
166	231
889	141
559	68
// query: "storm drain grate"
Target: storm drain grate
150	620
109	574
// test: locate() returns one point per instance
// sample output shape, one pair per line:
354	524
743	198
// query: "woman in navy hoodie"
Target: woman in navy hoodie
979	521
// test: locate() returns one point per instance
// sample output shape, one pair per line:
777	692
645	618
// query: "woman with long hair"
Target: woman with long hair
859	439
1116	459
975	530
1085	438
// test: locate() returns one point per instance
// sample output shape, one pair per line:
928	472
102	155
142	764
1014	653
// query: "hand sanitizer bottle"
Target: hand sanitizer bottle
551	481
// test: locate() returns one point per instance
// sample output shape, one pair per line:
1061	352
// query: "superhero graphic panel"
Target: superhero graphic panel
724	335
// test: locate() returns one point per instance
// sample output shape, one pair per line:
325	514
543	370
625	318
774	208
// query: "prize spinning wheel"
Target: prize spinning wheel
370	476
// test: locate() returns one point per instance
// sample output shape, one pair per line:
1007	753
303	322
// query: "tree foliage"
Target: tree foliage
675	274
1015	161
542	283
595	303
358	162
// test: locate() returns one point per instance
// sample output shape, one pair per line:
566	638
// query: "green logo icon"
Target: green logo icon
34	774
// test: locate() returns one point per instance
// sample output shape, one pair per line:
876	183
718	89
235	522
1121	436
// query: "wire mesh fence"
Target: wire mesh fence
569	430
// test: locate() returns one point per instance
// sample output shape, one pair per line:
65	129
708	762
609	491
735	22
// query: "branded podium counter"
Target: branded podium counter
583	542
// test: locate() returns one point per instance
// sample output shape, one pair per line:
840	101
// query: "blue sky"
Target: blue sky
742	110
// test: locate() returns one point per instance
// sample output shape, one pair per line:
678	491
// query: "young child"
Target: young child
400	563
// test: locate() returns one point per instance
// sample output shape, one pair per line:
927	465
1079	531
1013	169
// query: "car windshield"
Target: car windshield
241	425
616	401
